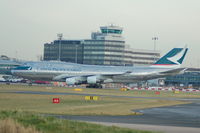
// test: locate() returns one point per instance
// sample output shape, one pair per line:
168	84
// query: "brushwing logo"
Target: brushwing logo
175	59
23	68
29	68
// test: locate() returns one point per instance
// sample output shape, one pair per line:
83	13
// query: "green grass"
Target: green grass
116	92
54	125
76	105
9	125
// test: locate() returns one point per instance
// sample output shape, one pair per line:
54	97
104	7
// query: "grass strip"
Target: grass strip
55	125
114	92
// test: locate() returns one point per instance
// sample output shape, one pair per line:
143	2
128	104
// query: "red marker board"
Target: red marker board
56	100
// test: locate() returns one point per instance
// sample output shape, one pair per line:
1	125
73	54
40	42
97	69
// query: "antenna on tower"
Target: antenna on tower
59	35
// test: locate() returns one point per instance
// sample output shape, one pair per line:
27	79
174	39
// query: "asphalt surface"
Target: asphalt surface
181	115
156	128
173	119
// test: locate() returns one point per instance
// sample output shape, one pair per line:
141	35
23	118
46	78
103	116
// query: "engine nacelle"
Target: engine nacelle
71	81
93	79
75	80
108	81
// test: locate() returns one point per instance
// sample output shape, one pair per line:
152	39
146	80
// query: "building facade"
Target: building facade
191	77
106	47
6	66
140	57
103	52
70	51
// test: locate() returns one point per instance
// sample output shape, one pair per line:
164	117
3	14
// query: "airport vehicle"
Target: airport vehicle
95	75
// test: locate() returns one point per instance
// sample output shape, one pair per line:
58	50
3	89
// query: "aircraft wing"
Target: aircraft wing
62	77
175	71
148	75
164	73
90	78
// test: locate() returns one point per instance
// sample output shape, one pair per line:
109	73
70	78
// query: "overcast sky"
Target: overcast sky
25	25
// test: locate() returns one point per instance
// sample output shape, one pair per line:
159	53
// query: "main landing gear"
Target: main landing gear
94	86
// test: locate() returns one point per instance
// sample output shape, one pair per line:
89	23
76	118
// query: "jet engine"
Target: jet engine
93	79
75	80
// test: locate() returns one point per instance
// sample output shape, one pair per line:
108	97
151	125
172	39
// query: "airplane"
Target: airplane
95	75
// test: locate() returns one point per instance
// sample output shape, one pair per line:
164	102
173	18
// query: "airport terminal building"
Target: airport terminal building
190	78
70	51
106	47
6	65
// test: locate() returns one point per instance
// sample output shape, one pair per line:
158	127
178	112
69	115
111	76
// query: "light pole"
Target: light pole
76	54
154	39
60	35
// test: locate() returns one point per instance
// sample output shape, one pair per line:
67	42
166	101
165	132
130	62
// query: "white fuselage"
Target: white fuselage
54	70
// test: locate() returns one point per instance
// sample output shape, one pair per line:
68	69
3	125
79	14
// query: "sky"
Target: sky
25	25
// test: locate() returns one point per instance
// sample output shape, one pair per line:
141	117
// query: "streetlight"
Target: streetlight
76	54
154	39
60	35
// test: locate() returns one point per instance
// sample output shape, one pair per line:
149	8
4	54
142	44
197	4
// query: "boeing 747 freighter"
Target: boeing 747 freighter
74	74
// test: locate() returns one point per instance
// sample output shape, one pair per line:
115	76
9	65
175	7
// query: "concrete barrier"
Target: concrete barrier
157	92
163	89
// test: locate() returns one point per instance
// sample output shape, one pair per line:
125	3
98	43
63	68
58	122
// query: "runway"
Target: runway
181	115
156	128
176	119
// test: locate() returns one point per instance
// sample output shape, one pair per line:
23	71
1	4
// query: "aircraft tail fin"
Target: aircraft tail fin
174	57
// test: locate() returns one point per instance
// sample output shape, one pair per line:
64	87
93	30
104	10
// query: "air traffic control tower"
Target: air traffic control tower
105	47
108	33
